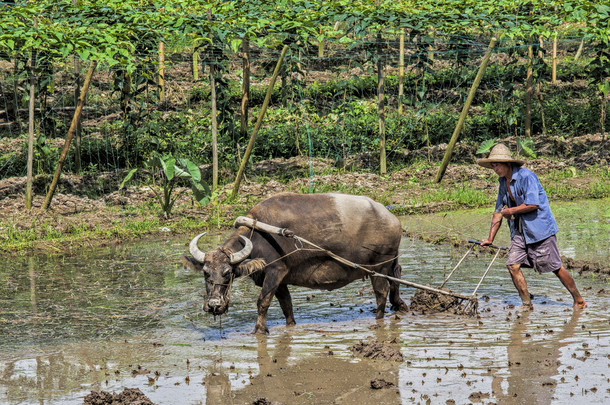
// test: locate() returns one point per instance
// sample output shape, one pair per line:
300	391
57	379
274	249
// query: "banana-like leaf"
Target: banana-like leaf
486	146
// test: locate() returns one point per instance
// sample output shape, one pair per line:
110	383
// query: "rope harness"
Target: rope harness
298	247
254	224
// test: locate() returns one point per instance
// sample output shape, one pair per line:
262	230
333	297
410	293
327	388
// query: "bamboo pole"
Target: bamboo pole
462	118
77	142
16	97
70	135
30	163
554	73
580	48
401	71
214	128
381	106
77	69
245	89
161	72
195	65
431	45
259	121
528	91
321	46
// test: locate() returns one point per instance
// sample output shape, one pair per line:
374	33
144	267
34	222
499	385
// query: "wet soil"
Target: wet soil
129	396
374	350
429	302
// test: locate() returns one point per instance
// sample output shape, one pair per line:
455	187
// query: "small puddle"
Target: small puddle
130	316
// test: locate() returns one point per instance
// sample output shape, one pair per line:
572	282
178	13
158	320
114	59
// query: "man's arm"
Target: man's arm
521	209
496	221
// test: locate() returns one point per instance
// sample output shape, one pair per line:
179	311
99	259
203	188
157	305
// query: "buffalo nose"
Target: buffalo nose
214	303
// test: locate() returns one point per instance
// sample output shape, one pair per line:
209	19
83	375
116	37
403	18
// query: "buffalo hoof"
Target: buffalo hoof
262	330
400	308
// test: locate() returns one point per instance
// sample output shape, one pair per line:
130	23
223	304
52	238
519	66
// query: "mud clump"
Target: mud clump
581	266
376	350
129	396
380	383
428	302
478	396
261	401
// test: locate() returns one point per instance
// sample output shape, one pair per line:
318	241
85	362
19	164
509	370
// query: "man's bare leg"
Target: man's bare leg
567	280
519	281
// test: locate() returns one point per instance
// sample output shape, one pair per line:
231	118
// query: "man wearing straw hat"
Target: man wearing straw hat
523	202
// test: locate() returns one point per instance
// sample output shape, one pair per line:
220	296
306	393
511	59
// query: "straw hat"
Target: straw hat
499	154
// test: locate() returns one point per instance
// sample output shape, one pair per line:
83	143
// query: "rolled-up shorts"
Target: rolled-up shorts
542	256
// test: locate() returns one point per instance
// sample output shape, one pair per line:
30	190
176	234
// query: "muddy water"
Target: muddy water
130	317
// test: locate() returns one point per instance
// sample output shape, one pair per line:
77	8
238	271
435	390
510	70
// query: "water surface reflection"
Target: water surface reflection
111	318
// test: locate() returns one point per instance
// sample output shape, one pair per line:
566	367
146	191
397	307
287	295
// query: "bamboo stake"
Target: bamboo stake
380	106
554	73
77	68
70	135
30	163
401	71
460	123
161	71
580	48
259	121
77	142
528	92
321	46
431	45
245	89
195	65
214	128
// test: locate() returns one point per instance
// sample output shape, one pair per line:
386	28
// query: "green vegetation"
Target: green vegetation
167	171
149	109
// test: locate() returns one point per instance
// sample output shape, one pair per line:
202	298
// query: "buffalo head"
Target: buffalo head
219	267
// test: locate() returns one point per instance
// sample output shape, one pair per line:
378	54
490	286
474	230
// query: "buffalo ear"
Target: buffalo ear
248	267
191	264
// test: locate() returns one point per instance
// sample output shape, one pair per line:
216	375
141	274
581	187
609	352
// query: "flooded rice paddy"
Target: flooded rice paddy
130	316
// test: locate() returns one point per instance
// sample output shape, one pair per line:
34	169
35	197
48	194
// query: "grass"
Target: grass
464	195
57	233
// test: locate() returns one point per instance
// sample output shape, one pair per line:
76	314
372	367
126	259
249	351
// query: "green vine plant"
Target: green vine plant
167	173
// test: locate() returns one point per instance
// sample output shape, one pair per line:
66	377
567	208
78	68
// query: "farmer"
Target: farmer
532	225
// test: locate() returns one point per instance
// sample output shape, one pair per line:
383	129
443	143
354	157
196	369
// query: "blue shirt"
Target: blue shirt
526	189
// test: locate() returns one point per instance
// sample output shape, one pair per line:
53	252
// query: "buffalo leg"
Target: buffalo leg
271	283
283	296
397	303
381	287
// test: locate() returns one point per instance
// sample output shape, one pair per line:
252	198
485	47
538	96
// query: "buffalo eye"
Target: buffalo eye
226	271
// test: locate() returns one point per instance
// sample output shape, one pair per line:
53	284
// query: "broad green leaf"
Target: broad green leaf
169	168
128	177
486	146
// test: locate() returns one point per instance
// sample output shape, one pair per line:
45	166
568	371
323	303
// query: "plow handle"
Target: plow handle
493	246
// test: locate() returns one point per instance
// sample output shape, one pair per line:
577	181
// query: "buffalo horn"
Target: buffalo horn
194	250
242	254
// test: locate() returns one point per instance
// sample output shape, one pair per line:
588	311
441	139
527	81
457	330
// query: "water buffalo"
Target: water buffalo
353	227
